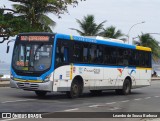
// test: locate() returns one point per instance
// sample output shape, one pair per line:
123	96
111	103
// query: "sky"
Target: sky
122	14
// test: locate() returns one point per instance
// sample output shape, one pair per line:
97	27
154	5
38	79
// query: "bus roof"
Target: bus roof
101	41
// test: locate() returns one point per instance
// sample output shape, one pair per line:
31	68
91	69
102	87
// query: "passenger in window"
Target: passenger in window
106	59
95	59
100	58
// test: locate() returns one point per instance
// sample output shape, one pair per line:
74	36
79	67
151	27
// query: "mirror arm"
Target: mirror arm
8	44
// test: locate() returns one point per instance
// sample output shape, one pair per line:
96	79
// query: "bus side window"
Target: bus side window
93	54
85	52
78	52
66	54
62	53
58	55
120	56
100	54
146	59
107	55
136	58
142	58
125	57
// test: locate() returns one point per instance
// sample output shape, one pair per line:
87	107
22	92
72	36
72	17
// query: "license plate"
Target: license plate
26	85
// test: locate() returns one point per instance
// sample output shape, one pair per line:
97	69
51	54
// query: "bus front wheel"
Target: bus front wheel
41	93
75	90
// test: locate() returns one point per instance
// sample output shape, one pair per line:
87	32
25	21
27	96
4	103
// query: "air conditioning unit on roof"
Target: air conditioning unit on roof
109	39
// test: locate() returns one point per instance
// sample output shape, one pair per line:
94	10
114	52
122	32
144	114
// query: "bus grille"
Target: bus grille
28	86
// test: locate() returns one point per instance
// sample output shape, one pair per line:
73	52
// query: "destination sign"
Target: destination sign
35	38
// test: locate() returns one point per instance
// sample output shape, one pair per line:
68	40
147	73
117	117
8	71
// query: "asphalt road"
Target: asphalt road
145	99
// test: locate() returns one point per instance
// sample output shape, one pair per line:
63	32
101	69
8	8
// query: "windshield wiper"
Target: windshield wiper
37	50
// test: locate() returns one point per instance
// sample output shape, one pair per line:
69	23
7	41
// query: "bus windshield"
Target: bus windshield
32	57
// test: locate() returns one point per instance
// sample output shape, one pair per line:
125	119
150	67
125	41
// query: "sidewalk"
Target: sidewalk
4	83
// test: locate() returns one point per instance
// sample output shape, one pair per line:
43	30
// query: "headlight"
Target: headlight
47	78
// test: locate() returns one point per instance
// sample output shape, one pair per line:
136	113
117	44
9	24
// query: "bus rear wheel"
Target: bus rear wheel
75	89
126	88
41	93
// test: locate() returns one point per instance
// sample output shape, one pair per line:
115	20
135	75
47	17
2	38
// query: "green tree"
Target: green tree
148	41
8	25
31	16
88	26
111	32
35	11
11	25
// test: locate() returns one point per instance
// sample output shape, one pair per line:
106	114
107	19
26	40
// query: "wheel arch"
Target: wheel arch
80	79
129	78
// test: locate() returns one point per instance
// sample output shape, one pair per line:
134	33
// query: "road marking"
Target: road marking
110	103
114	108
57	101
138	99
138	89
125	101
147	98
72	109
93	106
156	96
18	101
5	87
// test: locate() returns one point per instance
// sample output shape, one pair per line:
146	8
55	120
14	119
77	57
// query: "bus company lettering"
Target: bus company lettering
95	71
85	39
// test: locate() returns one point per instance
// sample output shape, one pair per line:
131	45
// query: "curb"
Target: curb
4	85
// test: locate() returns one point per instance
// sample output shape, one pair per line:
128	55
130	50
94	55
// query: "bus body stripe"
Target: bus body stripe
32	81
71	37
107	66
143	48
139	68
71	71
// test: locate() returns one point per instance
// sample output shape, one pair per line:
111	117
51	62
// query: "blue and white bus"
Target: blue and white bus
46	62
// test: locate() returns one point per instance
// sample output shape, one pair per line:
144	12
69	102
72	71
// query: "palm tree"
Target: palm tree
88	26
34	12
111	32
148	41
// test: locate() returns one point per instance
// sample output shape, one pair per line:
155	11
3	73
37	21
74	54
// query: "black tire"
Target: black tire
75	90
96	92
81	89
126	88
41	93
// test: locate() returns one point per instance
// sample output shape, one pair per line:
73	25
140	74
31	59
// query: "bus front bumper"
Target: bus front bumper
45	86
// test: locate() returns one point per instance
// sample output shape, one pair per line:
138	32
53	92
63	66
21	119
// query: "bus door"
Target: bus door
62	67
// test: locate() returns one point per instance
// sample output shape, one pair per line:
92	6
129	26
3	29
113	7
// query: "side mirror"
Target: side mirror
7	49
8	45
